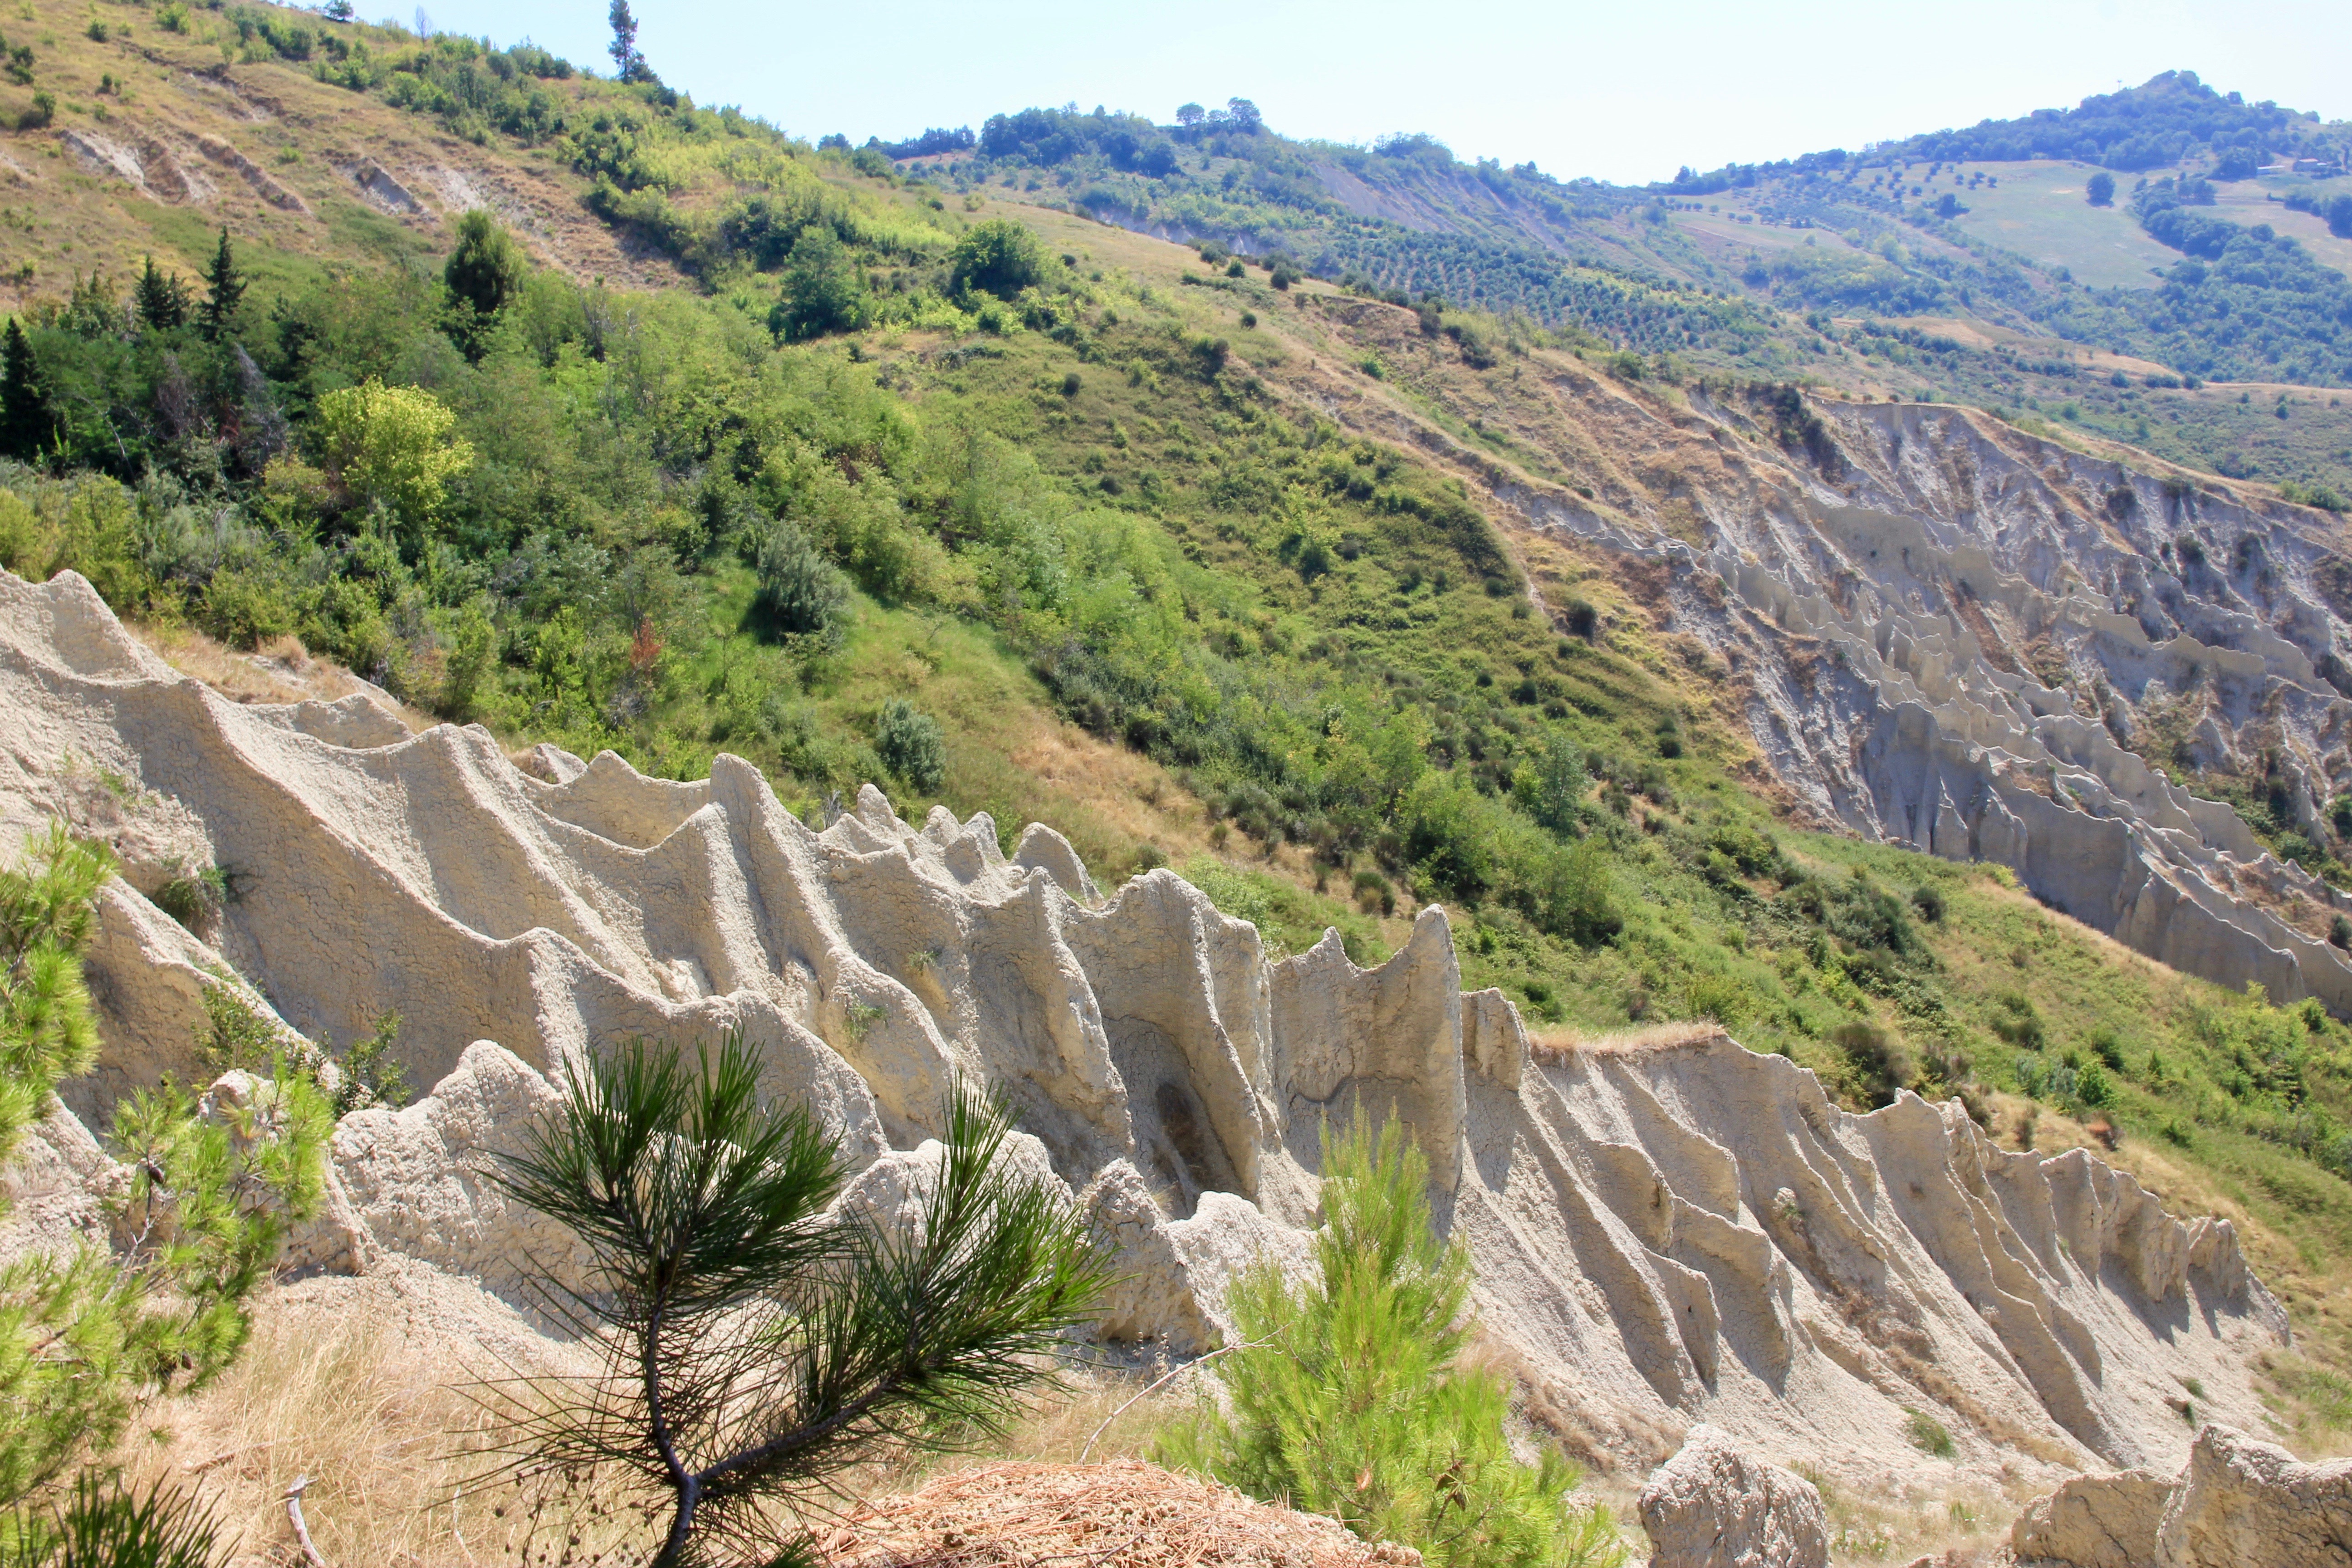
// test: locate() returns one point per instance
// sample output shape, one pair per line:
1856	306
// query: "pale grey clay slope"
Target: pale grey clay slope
1665	1236
1950	635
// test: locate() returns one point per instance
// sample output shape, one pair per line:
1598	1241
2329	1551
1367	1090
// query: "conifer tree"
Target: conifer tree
224	288
629	64
24	411
161	298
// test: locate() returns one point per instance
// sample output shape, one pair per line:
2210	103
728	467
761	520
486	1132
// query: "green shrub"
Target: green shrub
1352	1402
1928	1435
194	895
1879	1063
101	1524
910	745
823	288
88	1337
800	591
998	256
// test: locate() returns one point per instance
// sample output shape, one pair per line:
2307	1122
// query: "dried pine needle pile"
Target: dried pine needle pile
1125	1514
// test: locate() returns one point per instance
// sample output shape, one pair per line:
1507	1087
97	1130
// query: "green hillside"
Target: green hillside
1828	266
698	437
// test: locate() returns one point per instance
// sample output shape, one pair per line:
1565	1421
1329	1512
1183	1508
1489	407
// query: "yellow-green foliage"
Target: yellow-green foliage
1349	1397
393	446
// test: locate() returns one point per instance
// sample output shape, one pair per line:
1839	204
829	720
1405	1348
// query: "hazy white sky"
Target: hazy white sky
1623	91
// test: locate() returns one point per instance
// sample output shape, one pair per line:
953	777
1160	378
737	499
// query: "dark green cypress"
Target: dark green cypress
25	422
224	288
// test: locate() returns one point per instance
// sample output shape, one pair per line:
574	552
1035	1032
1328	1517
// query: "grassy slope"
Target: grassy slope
61	217
1694	943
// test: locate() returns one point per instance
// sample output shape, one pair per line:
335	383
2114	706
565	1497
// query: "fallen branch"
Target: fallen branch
301	1531
225	1455
1154	1386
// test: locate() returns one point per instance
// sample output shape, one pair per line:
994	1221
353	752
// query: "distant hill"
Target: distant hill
1971	264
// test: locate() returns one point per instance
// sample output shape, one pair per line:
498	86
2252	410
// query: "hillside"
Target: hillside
1966	266
1711	669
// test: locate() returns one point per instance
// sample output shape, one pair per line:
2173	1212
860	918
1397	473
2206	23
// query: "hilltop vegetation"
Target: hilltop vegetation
1874	255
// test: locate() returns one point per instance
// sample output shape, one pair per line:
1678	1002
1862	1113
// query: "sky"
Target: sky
1624	92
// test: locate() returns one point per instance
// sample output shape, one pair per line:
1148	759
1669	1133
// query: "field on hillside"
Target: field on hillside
2039	210
2251	202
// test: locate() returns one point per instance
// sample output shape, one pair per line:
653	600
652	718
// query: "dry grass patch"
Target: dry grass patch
282	671
362	1385
1560	1045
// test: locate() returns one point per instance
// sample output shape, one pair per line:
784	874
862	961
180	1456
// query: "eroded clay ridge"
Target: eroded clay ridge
1662	1235
1954	635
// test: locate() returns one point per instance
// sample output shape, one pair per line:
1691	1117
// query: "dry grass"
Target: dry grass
1127	1513
284	671
1560	1044
362	1385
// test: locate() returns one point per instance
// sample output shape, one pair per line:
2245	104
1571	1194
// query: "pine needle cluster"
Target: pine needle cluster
758	1340
1352	1400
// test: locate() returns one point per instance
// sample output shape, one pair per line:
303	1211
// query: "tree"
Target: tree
224	289
998	256
485	271
823	291
2101	189
910	743
88	1336
25	425
800	591
754	1343
392	446
1349	1399
1190	114
628	64
1245	115
2339	217
161	298
337	10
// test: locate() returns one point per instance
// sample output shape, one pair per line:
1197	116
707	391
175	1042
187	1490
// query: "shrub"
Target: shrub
100	1524
800	591
1928	900
1928	1435
1880	1064
910	745
1352	1401
755	1345
823	288
2018	1020
194	895
88	1336
998	256
393	446
486	270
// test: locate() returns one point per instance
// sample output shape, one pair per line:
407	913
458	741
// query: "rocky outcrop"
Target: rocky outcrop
1952	636
2243	1503
2094	1521
2240	1503
1664	1236
1711	1506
